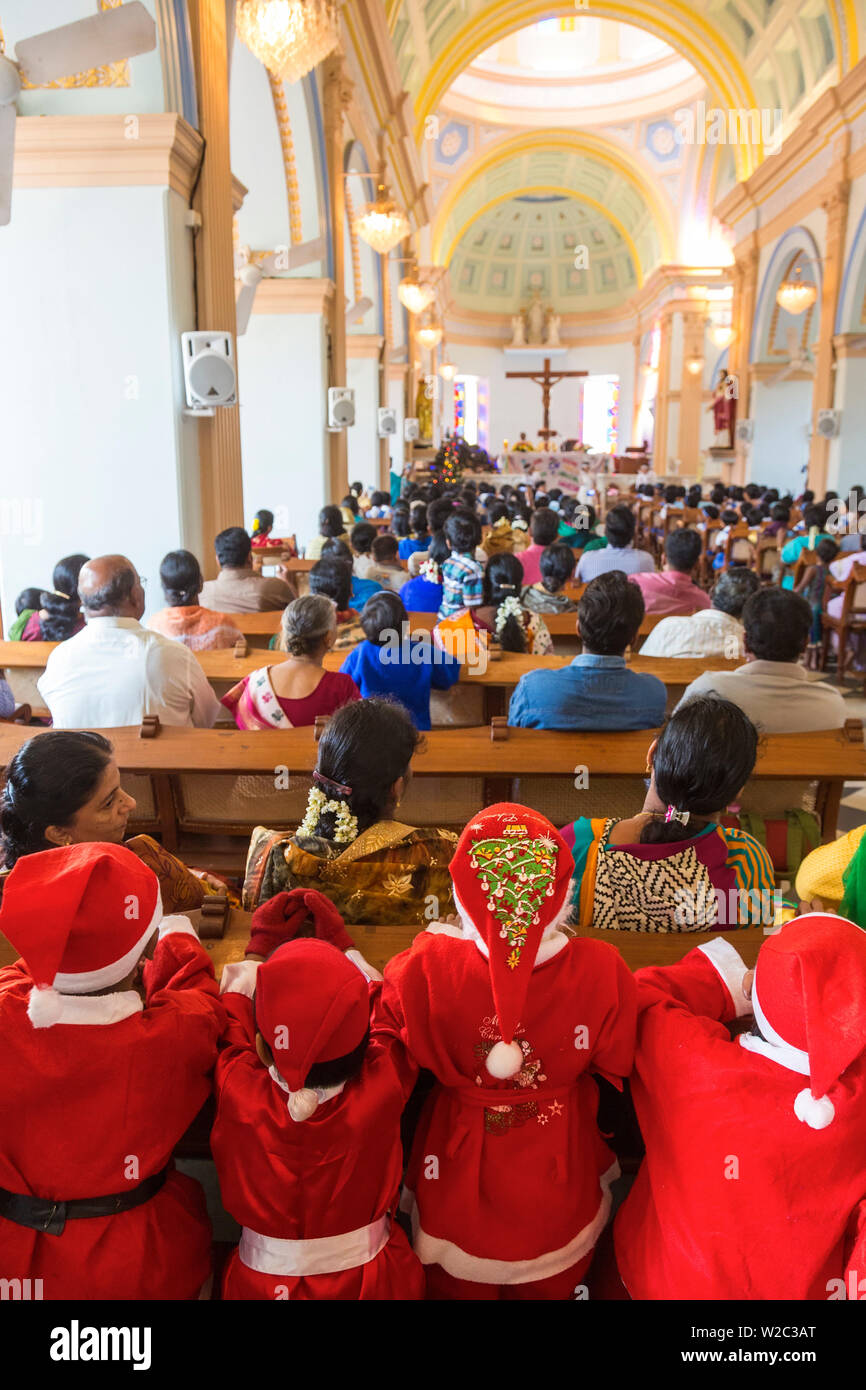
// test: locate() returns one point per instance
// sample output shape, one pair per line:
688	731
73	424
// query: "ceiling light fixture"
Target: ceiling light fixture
290	37
382	224
796	296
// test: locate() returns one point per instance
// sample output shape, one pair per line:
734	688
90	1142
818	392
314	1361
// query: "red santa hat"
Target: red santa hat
80	916
809	1001
312	1005
511	872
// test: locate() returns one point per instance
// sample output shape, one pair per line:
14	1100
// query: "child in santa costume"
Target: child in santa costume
508	1184
307	1134
754	1181
106	1062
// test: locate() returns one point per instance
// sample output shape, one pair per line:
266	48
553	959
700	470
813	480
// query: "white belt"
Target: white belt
327	1255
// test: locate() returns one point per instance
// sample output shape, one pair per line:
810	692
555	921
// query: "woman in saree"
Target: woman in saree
63	788
295	691
350	846
673	866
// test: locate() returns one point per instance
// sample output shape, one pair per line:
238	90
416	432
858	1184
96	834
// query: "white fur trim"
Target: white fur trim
363	965
89	980
552	940
797	1059
815	1111
99	1009
177	924
322	1093
239	977
433	1250
301	1258
729	964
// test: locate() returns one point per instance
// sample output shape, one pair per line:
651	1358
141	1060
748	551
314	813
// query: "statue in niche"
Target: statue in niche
535	317
724	408
518	338
553	322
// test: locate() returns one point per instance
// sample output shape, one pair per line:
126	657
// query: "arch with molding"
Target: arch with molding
360	190
796	246
851	309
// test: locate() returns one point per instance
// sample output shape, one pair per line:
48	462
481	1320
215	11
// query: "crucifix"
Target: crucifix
545	381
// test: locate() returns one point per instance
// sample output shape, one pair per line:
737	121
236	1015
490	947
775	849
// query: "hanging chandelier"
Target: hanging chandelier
413	295
289	36
382	224
722	334
695	364
796	296
448	371
430	336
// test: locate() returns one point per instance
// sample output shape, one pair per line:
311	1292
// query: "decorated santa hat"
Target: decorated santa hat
80	916
809	1001
312	1005
511	871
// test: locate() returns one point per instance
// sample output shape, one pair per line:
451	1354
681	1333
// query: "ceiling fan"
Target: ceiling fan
104	38
800	359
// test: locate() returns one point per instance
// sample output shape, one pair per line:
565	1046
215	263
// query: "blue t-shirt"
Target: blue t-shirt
362	589
409	544
593	692
421	596
407	671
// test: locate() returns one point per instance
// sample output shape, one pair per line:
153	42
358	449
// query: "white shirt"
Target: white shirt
778	696
114	672
708	633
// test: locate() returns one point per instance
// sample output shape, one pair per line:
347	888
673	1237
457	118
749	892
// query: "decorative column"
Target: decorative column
220	477
742	317
385	445
691	393
835	205
660	428
636	389
337	97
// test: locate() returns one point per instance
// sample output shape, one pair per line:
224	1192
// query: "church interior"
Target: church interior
460	399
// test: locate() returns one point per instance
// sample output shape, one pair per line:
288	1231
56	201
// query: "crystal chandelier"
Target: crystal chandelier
695	365
382	225
722	334
289	36
413	295
447	371
430	336
796	296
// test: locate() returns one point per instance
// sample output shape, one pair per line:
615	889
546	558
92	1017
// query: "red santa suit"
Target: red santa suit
754	1181
313	1176
508	1184
96	1090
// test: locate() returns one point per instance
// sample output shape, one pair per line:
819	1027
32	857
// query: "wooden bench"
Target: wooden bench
206	789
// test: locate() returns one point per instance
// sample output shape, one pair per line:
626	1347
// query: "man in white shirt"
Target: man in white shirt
715	631
115	671
619	554
773	688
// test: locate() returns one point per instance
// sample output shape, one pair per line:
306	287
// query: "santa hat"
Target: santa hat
80	916
809	1000
511	872
312	1005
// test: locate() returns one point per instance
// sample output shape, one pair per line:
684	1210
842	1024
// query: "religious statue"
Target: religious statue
535	321
523	445
424	409
519	336
724	408
553	322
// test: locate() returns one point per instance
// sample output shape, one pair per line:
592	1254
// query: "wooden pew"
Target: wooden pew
209	782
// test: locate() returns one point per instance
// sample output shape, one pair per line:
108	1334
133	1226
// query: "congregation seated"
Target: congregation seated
262	532
502	535
714	631
332	526
556	571
596	690
619	553
385	569
295	692
63	788
350	510
26	605
773	687
673	590
332	577
577	527
114	671
58	614
394	663
698	765
379	505
361	589
814	530
349	846
418	537
501	613
184	619
423	593
237	588
462	575
544	529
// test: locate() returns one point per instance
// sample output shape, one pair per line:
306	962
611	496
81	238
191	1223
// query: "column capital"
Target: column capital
339	89
835	201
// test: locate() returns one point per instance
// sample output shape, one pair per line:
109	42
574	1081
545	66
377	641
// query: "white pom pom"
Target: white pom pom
44	1007
504	1060
817	1114
302	1104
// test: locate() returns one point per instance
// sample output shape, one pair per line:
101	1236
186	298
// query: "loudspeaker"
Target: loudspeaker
829	423
387	421
411	429
341	407
745	431
209	369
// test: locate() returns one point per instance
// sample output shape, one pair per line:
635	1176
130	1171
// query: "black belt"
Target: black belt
50	1216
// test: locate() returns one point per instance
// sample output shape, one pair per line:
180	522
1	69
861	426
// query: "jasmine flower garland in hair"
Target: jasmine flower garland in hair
318	805
508	608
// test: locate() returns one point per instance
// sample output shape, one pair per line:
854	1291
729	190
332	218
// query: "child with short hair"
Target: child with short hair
307	1133
392	663
812	586
385	569
462	576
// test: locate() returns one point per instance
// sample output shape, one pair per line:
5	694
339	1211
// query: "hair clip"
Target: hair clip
673	814
57	594
333	786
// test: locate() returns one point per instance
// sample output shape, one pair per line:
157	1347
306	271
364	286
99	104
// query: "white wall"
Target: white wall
516	405
847	464
95	285
283	404
780	448
362	374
